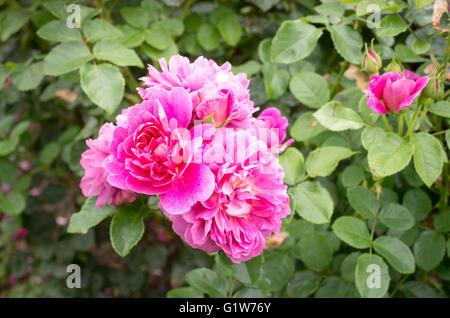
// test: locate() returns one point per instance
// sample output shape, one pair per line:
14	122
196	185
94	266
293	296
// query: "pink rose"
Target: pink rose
270	127
248	202
152	152
393	91
214	90
94	182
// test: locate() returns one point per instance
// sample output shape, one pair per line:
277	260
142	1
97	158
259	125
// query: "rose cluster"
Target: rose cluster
195	142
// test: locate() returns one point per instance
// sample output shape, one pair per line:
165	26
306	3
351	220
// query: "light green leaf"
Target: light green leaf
369	6
135	16
352	231
420	47
422	3
396	253
57	31
158	37
441	108
310	88
66	57
363	201
28	77
173	26
116	53
428	159
103	84
370	134
407	55
303	284
127	228
322	161
293	165
250	67
208	36
371	276
13	203
156	55
208	281
11	21
97	29
397	217
314	250
391	25
89	216
389	154
294	41
306	127
264	51
348	42
312	202
429	250
184	292
275	81
131	37
49	152
230	29
277	270
336	117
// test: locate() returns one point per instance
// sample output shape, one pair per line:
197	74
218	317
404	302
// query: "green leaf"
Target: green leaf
156	55
293	165
314	250
391	25
312	202
441	222
335	287
66	57
306	127
250	67
88	216
208	281
13	203
428	160
370	134
407	55
117	54
11	21
103	84
184	292
275	81
248	272
336	117
230	29
127	228
363	201
397	217
208	37
422	3
348	266
389	154
49	152
352	231
173	26
97	29
28	77
264	5
158	37
135	16
429	250
130	36
303	284
322	161
351	176
57	31
371	276
294	41
418	202
9	145
264	51
348	42
396	253
420	47
277	270
310	88
369	6
441	108
248	293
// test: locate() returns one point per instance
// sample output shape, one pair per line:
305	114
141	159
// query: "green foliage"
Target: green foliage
365	189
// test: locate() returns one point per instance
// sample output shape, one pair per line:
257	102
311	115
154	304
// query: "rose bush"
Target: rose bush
180	148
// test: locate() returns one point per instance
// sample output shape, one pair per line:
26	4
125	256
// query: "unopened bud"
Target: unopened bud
371	62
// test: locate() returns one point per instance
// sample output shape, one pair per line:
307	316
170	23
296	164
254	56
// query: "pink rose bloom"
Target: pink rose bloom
248	202
214	90
270	127
393	91
152	152
94	182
